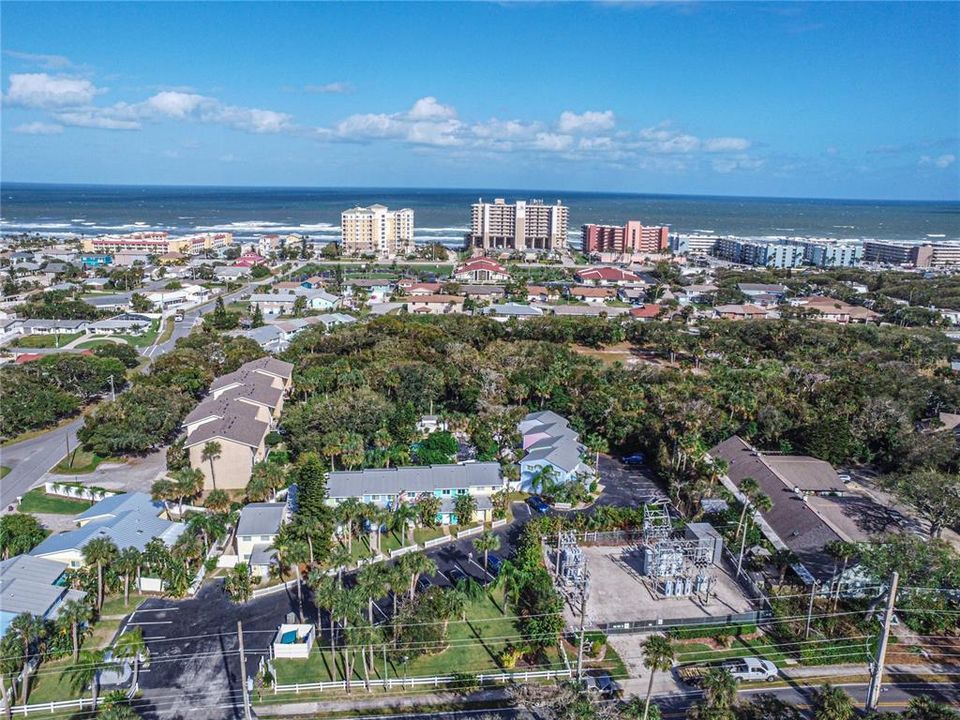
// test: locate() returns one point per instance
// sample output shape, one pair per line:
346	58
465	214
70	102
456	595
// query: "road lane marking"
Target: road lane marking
150	622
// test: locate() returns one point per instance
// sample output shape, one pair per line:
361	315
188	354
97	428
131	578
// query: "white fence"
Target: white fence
270	590
77	492
437	541
498	523
431	681
470	531
51	707
403	551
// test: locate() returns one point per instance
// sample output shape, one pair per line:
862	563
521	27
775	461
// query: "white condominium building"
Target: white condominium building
376	231
519	226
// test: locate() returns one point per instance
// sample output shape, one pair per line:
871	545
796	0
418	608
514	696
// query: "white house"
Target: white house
257	530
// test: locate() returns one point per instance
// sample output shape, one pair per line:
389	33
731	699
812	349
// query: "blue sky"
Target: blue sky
808	100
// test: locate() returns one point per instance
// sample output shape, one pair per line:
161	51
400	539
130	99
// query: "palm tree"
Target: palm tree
28	629
128	563
349	608
164	490
218	501
189	483
402	521
11	664
749	487
465	506
131	646
428	508
325	591
99	551
86	671
239	583
75	613
414	565
372	581
840	550
832	703
719	689
782	559
347	513
657	655
258	489
340	558
211	451
487	542
757	502
374	517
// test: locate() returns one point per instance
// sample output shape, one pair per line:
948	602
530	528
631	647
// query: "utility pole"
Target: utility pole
583	614
113	393
876	675
243	674
813	592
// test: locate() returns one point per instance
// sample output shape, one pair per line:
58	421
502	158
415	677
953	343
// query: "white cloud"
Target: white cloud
725	144
93	118
664	139
736	162
940	161
590	121
175	104
252	120
40	90
553	142
39	128
428	108
50	62
334	88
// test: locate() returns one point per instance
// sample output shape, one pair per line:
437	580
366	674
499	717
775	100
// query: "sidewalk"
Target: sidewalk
360	701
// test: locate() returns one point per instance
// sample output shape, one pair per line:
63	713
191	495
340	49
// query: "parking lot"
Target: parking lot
627	485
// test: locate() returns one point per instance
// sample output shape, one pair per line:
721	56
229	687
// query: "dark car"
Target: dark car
456	575
635	459
423	583
494	563
538	504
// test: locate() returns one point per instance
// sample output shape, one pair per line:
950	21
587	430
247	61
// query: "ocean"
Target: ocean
444	215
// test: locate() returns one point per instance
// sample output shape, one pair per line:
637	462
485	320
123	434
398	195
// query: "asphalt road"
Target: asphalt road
31	459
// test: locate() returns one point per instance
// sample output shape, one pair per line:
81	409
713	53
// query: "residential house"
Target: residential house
434	304
187	295
378	291
632	295
96	283
257	529
122	324
740	312
128	520
33	585
590	310
230	273
388	487
283	303
831	310
94	260
550	442
540	293
428	424
49	327
509	310
270	337
645	313
593	295
416	289
483	292
242	441
248	260
608	275
700	293
763	294
481	270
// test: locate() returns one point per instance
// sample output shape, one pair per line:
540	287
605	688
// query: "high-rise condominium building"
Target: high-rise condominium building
630	238
522	225
375	230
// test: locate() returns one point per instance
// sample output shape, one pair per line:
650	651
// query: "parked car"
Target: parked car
494	563
423	583
635	459
538	504
751	669
178	317
844	477
602	685
455	574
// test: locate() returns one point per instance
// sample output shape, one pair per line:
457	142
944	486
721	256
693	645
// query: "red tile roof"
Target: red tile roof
480	264
646	311
608	273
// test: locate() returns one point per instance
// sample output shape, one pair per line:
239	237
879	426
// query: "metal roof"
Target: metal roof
422	478
261	518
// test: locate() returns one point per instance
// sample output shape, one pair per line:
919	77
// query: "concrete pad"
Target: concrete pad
618	593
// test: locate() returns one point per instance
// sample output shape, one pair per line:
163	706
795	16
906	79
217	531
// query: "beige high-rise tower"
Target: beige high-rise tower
531	225
375	230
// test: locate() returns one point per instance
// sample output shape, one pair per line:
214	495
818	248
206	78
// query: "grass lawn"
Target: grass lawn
52	683
474	646
422	534
146	339
46	341
113	606
81	461
4	470
761	647
37	501
91	344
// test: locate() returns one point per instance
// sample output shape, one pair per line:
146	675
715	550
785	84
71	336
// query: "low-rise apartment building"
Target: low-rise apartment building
916	254
390	487
548	441
157	243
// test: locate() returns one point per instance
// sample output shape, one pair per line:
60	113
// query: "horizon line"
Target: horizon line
4	183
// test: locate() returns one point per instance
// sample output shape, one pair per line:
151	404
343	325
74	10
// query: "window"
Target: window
446	491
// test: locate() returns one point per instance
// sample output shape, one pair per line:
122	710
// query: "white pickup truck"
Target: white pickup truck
751	669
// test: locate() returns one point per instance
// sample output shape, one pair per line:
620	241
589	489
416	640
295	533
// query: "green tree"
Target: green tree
428	509
658	656
189	484
128	563
28	630
257	320
239	583
19	534
413	566
487	543
75	614
934	495
211	452
465	507
218	501
100	551
832	703
86	672
131	646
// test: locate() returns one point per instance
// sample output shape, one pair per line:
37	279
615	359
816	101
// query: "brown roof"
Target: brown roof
604	292
261	393
238	428
270	365
219	407
793	520
538	290
435	299
807	473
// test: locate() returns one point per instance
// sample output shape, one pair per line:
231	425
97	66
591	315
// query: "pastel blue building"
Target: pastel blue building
550	442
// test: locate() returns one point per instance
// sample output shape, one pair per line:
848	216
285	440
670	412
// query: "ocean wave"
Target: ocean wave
266	226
